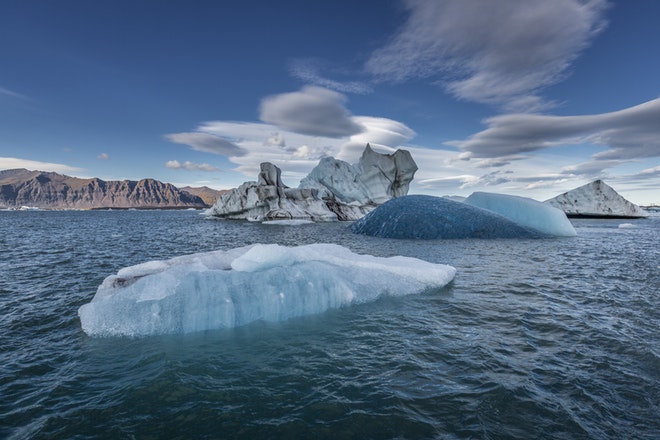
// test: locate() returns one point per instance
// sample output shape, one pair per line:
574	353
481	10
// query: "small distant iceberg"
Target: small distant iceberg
291	222
596	200
225	289
429	217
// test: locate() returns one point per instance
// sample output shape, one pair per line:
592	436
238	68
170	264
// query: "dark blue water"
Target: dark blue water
534	339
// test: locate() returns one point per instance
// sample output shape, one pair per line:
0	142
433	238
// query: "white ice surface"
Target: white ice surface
525	211
596	199
287	222
225	289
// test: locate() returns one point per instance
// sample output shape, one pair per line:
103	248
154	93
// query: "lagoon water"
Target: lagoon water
548	338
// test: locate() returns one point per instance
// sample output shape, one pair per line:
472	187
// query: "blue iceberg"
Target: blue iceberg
428	217
528	212
225	289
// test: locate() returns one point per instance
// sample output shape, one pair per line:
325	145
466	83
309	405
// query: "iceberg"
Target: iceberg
429	217
334	190
288	222
525	211
375	179
596	200
225	289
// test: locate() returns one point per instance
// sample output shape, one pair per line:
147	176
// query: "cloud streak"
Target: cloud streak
628	134
13	94
13	162
308	70
207	143
499	53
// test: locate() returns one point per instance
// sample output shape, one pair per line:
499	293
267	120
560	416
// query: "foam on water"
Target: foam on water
224	289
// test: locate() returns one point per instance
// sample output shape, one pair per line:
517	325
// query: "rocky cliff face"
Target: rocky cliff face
208	195
56	191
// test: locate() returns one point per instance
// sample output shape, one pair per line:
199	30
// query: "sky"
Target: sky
523	97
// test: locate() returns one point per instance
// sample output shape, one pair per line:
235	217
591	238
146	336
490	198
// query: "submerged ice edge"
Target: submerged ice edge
226	289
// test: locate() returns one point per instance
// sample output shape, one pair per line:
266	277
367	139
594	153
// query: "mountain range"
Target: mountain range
48	190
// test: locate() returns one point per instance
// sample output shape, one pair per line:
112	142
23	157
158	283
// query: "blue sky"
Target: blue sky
525	97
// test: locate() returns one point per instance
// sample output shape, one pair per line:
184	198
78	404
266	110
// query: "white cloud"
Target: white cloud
298	153
12	162
190	166
499	53
382	133
103	156
276	139
313	111
207	143
295	153
627	134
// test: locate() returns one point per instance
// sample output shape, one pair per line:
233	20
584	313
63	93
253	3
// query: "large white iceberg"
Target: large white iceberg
525	211
375	179
225	289
333	190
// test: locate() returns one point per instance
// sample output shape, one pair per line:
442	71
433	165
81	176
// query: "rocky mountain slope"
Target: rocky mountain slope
47	190
208	195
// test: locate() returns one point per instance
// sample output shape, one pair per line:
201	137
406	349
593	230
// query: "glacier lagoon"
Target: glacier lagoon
551	338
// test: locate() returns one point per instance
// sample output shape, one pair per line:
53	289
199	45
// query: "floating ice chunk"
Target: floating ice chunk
525	211
428	217
627	226
293	222
225	289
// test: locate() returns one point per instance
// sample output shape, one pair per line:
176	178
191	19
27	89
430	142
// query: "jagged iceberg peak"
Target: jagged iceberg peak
525	211
225	289
429	217
596	199
334	190
375	179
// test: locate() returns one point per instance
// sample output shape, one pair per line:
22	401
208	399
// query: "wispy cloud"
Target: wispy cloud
627	134
13	162
499	53
103	156
13	94
207	143
190	166
309	71
313	111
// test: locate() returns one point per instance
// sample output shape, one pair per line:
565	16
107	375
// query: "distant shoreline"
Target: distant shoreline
109	208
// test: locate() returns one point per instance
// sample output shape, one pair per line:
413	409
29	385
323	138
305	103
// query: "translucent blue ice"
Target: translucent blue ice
225	289
428	217
528	212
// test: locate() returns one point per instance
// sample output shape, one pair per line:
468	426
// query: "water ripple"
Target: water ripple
533	339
